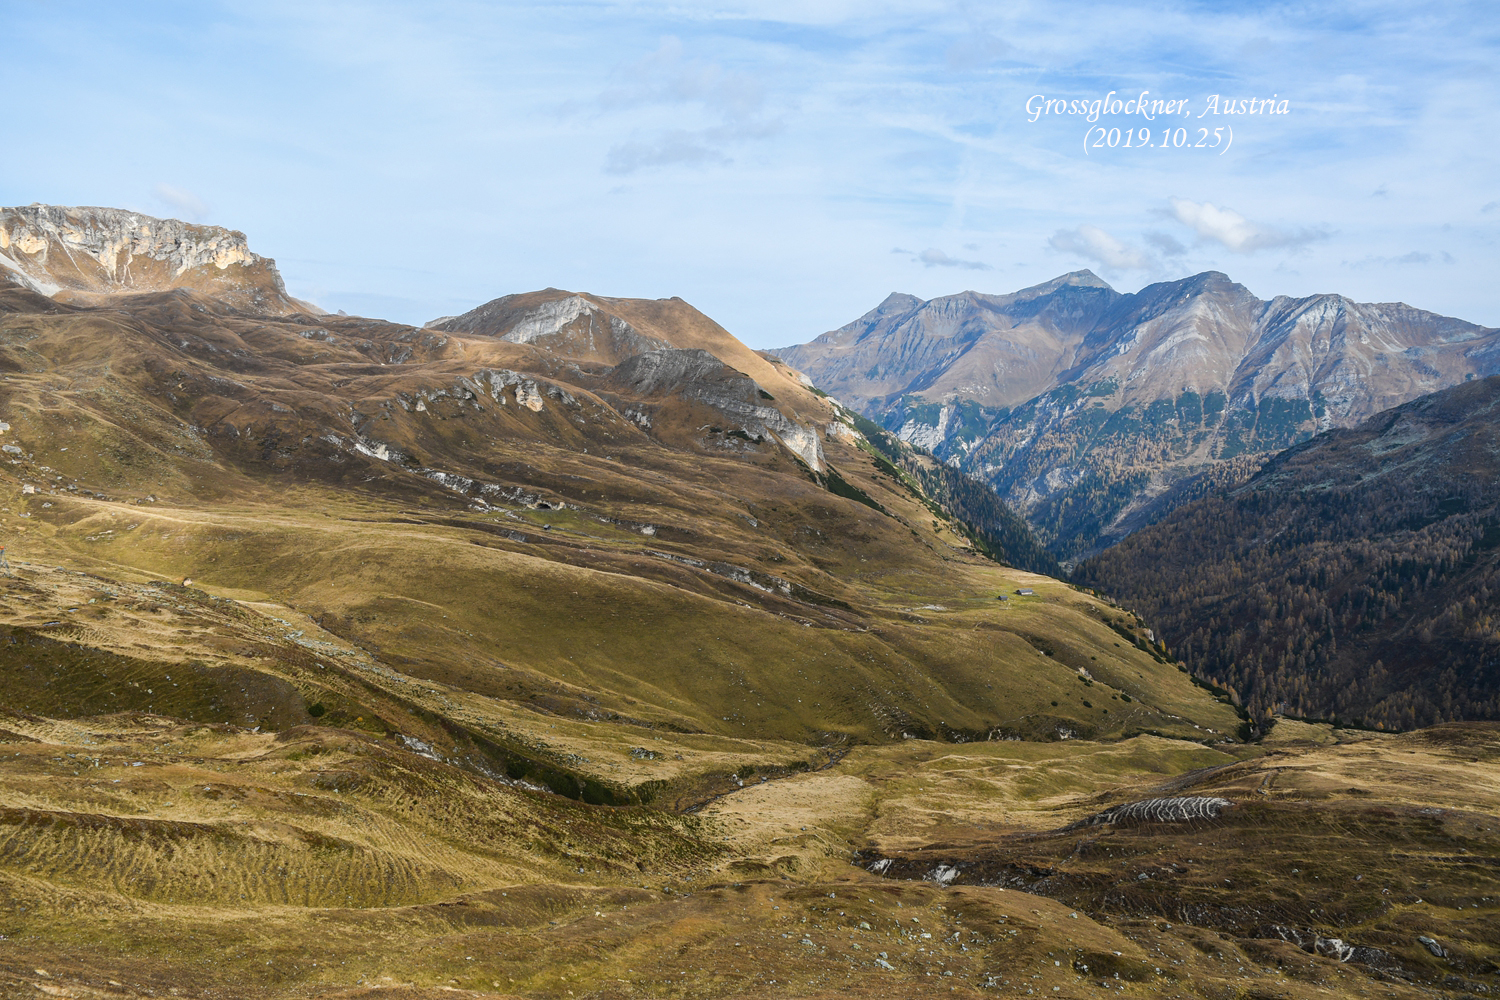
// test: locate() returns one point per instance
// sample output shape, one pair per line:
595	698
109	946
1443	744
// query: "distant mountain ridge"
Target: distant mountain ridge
1083	405
998	350
79	255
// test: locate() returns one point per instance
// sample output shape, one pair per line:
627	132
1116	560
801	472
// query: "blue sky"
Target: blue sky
782	165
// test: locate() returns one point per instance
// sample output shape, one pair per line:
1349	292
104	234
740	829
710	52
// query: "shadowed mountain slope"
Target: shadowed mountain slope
1354	576
1086	408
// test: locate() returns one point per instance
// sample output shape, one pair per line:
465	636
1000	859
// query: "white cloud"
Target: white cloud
1095	244
1235	232
181	203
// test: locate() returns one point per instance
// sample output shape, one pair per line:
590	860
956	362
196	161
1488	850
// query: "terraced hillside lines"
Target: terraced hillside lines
145	859
353	839
1350	578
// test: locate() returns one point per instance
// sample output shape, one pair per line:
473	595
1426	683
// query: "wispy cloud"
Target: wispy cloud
733	101
978	49
675	146
1414	258
667	75
1234	232
1166	244
1096	245
180	202
933	257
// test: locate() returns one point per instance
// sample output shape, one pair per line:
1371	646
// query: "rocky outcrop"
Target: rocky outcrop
699	376
571	325
81	254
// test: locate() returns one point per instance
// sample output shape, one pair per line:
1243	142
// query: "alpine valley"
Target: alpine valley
571	648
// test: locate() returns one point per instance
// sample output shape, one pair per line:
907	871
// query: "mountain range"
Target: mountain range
1093	411
637	515
570	648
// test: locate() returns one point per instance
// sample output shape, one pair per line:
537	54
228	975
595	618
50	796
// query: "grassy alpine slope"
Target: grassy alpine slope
500	669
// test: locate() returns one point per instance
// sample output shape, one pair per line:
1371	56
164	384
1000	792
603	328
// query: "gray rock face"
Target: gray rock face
58	251
698	375
571	325
695	373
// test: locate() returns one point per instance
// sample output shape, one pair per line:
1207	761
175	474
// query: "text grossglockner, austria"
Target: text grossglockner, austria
1149	108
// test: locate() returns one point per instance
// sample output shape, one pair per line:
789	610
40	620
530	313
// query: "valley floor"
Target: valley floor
141	855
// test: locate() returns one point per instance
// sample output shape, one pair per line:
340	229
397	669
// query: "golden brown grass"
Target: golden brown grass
219	862
327	766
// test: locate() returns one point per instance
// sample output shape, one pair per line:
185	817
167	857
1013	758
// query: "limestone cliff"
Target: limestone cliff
83	254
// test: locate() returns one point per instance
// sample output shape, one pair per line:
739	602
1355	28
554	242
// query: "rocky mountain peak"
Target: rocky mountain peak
1083	279
560	321
82	254
897	303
